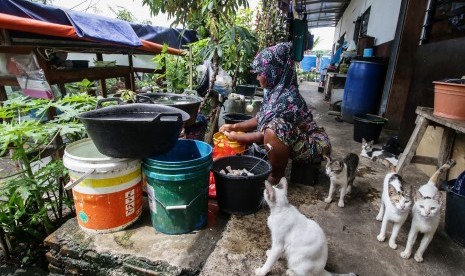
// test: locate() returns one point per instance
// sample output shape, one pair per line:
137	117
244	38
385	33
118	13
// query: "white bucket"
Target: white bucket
107	191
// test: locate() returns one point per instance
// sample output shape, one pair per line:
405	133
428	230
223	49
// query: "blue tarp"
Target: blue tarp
95	27
173	37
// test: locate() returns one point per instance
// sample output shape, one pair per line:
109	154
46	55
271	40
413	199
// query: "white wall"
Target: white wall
381	25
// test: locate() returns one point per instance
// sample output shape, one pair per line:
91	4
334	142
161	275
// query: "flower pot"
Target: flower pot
449	100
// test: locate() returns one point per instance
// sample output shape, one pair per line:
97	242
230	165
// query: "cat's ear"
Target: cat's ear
371	142
283	183
364	141
391	190
438	197
407	190
270	191
327	158
418	196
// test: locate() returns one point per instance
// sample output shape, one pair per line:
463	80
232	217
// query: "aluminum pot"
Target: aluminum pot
187	103
133	130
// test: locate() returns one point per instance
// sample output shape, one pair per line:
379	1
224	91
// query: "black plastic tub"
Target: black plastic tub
454	222
240	195
133	130
234	118
187	103
247	90
368	126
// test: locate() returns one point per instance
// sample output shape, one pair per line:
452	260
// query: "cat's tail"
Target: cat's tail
449	164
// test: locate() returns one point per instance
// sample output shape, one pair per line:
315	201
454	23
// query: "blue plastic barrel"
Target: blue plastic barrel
362	89
308	62
177	187
324	62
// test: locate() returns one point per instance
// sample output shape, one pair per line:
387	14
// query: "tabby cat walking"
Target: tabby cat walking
300	239
426	214
341	173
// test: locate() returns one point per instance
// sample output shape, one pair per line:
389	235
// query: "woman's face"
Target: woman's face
262	80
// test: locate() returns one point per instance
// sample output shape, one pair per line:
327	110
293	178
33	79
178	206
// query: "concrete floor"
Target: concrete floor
351	231
236	245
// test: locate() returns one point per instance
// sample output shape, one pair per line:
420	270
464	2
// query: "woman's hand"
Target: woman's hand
245	138
226	128
232	135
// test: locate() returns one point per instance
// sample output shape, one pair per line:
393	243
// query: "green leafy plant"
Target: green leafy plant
32	199
176	71
80	87
127	95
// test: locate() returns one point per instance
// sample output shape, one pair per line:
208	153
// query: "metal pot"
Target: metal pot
187	103
133	130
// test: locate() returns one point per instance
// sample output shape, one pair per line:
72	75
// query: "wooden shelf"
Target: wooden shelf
8	80
62	76
58	76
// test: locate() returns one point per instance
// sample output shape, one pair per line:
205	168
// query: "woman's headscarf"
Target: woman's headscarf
282	99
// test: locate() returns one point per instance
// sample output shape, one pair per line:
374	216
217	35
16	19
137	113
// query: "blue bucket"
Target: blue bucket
368	52
177	187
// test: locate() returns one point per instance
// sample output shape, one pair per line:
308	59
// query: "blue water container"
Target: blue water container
308	62
362	89
324	62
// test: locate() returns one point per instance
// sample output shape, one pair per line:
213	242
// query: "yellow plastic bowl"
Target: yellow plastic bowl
219	139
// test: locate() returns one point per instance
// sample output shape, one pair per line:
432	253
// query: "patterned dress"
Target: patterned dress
284	110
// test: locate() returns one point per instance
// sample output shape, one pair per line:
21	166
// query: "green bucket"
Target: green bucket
177	187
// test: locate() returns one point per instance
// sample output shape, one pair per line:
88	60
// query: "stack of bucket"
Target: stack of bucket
108	191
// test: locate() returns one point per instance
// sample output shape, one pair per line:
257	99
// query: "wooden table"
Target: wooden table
425	118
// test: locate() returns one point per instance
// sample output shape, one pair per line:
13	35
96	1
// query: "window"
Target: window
361	25
445	19
364	22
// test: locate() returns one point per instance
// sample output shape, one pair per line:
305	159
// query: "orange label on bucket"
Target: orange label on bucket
108	212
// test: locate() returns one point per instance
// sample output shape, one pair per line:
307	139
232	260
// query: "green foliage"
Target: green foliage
127	95
80	87
225	37
123	14
176	76
29	201
185	12
308	76
271	25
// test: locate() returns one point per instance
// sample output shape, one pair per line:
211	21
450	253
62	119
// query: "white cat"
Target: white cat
395	206
300	239
426	214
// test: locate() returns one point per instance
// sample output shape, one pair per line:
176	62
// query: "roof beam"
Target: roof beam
322	19
320	25
324	1
325	11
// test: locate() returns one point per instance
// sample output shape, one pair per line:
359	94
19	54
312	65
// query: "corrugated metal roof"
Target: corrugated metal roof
322	13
